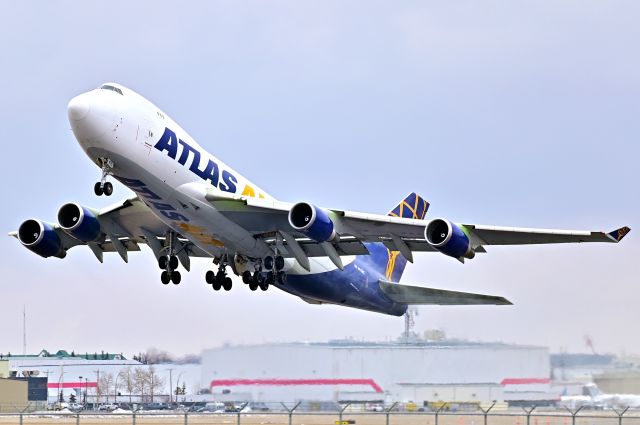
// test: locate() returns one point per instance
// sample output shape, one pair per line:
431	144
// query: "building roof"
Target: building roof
63	354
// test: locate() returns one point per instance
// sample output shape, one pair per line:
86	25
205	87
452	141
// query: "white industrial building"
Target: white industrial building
78	374
449	371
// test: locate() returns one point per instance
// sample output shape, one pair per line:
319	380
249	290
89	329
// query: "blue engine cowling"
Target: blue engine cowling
448	238
79	222
40	238
314	222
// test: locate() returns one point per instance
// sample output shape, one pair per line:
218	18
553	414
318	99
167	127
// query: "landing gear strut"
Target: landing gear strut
263	279
219	280
169	263
103	186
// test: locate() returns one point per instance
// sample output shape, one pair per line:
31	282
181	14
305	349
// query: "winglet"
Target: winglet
620	233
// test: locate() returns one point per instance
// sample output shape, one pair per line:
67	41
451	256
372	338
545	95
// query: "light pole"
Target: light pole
170	387
60	383
115	390
178	384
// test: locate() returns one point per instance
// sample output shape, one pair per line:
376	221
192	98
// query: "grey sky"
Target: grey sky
506	113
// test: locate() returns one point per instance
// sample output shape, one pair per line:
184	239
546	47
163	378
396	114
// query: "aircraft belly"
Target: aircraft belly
356	286
195	220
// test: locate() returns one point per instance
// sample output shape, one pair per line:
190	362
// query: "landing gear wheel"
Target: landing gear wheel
97	189
253	285
264	285
162	262
209	277
173	262
271	277
281	278
107	189
246	277
279	263
175	277
227	283
216	284
257	279
165	278
268	263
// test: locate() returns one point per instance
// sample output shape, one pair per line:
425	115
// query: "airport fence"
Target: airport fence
292	416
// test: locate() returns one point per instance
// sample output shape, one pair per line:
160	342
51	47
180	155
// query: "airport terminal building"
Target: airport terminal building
420	371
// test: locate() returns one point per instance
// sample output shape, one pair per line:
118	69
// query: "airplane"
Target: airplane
190	204
592	397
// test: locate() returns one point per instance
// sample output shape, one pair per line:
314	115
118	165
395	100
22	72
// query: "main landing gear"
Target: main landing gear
169	263
262	279
103	186
219	280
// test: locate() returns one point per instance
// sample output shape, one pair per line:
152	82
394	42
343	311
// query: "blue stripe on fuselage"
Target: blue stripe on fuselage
355	286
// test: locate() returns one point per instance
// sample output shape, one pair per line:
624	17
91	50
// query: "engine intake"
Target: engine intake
40	238
448	238
79	222
314	222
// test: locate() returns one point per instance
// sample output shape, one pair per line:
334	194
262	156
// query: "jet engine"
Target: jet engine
79	222
448	238
40	238
314	222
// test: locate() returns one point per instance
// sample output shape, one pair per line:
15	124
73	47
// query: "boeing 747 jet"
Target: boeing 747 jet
189	204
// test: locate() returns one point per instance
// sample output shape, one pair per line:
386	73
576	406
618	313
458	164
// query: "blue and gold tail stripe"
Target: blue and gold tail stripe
413	206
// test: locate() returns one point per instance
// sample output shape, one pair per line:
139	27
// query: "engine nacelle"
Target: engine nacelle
448	238
314	222
79	222
40	238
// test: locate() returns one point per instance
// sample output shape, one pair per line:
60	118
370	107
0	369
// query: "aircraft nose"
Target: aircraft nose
78	107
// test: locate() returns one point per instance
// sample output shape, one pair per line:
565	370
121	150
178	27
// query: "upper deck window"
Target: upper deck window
112	88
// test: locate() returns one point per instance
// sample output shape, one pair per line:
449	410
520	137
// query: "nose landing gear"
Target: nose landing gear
103	186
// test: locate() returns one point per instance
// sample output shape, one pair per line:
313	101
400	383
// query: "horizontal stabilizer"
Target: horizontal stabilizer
418	295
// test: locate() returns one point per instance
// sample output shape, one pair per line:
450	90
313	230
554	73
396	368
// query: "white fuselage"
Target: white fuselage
169	171
125	128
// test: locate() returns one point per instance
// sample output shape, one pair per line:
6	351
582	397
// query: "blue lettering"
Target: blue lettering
211	172
168	142
172	215
161	206
139	187
184	155
230	181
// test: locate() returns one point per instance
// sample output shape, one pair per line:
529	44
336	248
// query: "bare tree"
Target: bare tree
126	380
105	383
156	383
140	383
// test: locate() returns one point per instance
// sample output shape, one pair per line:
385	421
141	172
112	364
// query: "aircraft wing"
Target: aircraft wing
269	220
126	225
494	235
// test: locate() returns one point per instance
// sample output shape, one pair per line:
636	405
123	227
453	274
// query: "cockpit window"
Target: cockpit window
112	88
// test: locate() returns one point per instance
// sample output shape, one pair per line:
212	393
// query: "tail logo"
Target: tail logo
413	206
391	263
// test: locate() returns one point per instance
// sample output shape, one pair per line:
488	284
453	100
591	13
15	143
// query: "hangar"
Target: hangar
347	370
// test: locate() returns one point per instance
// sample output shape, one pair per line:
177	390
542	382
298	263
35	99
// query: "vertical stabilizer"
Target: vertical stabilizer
413	206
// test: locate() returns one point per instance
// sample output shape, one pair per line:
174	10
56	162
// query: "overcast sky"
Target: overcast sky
504	113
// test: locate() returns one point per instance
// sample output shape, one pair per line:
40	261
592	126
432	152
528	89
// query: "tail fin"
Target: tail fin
413	206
